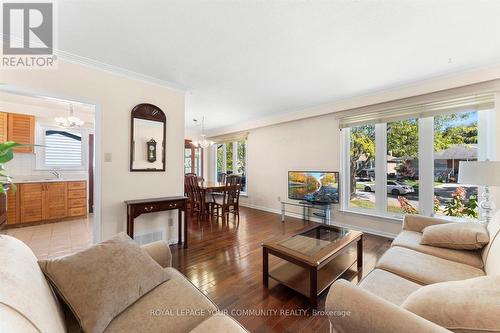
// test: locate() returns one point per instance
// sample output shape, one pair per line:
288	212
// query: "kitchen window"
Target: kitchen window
62	149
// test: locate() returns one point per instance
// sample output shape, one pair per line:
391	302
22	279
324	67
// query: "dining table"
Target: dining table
211	186
207	187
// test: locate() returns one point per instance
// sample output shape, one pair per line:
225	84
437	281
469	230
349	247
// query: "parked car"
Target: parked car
393	187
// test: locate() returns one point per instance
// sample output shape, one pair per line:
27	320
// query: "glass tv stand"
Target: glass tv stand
309	209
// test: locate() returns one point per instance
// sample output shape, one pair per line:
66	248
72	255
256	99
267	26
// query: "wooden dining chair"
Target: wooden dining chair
221	177
228	203
198	202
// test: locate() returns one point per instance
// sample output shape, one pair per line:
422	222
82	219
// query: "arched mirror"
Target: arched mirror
147	147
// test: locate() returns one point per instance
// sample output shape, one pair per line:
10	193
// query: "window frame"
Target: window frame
235	165
486	129
40	163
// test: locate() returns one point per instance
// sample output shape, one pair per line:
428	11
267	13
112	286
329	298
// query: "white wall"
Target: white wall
115	96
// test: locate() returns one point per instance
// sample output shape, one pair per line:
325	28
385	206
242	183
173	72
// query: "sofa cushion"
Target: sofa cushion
390	287
219	323
411	240
24	290
101	281
465	306
459	236
174	306
423	268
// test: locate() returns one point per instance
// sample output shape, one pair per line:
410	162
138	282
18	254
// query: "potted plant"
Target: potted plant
6	155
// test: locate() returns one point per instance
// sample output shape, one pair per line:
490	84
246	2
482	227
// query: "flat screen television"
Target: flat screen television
314	186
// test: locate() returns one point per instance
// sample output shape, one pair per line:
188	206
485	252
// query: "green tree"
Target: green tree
402	138
362	145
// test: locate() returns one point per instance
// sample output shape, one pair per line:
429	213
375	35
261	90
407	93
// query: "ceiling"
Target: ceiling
245	60
45	108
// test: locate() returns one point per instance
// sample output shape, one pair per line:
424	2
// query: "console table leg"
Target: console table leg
130	225
182	228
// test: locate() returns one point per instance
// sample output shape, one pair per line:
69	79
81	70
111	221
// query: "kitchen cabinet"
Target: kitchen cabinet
13	207
21	129
77	198
55	205
32	202
3	127
45	201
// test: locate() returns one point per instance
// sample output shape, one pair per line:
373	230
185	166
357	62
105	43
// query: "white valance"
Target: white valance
476	102
230	137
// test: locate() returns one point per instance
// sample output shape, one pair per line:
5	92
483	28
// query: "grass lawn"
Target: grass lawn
365	204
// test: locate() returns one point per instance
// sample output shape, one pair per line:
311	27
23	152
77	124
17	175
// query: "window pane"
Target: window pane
241	166
187	160
362	165
402	166
63	148
229	158
455	140
220	160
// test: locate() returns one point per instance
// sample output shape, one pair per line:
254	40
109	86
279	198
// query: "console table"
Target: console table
144	206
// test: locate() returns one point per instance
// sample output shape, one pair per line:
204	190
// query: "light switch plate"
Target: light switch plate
108	157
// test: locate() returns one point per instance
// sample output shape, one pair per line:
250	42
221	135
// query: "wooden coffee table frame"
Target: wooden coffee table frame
311	275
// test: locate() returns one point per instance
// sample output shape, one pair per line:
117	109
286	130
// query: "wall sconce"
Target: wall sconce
151	150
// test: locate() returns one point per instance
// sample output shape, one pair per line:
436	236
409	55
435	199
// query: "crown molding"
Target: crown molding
95	64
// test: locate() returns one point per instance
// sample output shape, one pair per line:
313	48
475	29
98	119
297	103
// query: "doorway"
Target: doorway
62	172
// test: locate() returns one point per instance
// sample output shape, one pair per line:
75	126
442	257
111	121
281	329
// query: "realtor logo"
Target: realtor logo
28	35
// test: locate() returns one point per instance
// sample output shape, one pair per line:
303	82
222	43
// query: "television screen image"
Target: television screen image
313	186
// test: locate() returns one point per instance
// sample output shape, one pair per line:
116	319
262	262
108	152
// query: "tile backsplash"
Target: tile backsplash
24	165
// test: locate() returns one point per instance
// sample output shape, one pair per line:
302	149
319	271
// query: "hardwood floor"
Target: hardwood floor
225	262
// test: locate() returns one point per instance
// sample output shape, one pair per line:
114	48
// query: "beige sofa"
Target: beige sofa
28	303
375	304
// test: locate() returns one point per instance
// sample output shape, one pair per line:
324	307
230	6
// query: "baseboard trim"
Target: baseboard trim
313	219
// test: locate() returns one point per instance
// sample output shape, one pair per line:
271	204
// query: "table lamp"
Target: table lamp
481	173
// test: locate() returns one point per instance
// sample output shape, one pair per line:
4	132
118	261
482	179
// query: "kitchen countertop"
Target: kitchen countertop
22	180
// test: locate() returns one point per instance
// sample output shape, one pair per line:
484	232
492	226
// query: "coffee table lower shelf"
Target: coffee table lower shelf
298	278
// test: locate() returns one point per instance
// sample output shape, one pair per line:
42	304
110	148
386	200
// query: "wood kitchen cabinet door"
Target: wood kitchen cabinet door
3	127
12	207
31	202
55	200
21	129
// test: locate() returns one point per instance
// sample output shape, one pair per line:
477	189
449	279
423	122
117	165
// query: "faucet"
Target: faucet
55	173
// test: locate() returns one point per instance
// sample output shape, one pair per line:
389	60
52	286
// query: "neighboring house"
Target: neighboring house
446	161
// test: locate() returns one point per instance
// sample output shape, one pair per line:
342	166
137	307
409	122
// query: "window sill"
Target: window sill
386	217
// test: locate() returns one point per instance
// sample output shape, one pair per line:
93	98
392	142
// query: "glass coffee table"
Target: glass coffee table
313	258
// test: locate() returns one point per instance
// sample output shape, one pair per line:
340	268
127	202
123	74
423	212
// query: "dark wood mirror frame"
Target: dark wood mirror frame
147	112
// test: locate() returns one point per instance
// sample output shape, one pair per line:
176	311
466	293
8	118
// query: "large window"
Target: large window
231	159
402	166
455	140
417	164
362	165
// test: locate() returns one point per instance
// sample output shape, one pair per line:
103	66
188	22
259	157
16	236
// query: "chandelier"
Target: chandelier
69	122
203	143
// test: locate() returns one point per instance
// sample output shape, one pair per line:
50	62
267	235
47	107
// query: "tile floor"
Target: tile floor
55	239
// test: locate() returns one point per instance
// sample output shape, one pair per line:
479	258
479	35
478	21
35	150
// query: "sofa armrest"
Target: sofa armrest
352	309
160	252
418	222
